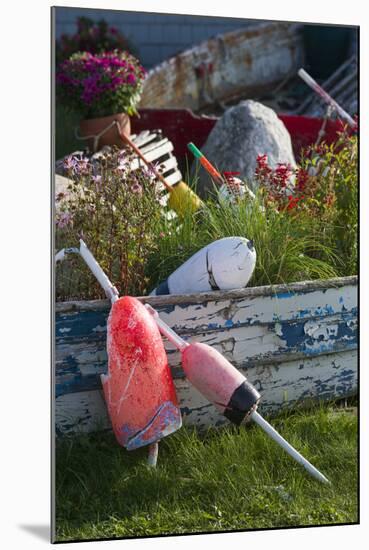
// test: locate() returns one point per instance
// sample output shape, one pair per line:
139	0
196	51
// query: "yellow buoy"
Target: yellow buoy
182	199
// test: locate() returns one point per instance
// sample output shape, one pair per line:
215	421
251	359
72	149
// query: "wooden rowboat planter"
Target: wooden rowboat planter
296	343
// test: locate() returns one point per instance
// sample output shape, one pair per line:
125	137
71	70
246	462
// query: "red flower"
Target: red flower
293	201
281	175
302	176
263	170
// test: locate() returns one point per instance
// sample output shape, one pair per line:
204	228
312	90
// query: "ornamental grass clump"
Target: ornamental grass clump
99	85
116	211
289	248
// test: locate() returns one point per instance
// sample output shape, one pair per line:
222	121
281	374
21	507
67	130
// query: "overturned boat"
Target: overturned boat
245	62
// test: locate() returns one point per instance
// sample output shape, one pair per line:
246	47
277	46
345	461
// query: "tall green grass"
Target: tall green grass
288	247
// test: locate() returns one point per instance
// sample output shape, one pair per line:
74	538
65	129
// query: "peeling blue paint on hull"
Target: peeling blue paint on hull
296	343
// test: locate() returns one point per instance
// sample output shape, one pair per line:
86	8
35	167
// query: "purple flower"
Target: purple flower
69	163
131	79
150	170
81	167
136	188
87	82
123	162
64	219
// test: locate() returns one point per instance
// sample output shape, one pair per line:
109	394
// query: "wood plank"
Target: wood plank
167	165
82	412
174	178
291	384
251	331
79	363
224	315
141	137
153	155
155	145
217	295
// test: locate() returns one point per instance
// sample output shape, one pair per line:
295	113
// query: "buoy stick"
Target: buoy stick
153	454
205	163
138	152
327	98
167	331
260	421
110	290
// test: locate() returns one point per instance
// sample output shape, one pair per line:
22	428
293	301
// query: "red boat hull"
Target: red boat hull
181	126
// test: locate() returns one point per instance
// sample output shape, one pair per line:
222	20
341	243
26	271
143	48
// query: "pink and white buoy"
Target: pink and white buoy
224	386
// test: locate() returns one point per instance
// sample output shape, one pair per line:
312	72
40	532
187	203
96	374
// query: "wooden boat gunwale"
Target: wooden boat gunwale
216	295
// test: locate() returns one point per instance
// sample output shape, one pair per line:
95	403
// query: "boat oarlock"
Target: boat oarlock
138	389
209	372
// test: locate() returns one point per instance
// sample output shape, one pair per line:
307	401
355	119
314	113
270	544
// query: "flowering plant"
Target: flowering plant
115	210
324	186
91	37
100	85
276	183
326	178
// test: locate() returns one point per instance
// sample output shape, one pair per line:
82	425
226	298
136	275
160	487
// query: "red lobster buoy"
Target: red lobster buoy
138	389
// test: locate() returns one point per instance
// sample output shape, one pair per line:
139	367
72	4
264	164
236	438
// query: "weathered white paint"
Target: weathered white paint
282	386
295	343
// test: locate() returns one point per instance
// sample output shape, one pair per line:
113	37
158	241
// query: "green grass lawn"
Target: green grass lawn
226	479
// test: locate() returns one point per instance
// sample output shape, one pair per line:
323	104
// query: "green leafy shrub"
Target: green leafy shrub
326	189
335	195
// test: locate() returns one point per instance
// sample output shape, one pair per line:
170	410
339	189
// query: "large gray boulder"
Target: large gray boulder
239	136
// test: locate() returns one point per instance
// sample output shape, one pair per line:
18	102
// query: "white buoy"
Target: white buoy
234	189
225	264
